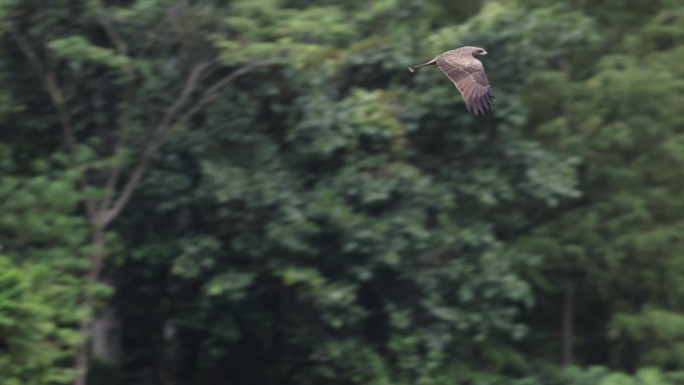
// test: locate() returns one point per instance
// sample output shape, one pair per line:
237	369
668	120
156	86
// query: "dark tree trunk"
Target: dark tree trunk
107	335
88	302
567	325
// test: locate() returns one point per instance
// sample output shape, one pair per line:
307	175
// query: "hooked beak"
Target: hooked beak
483	53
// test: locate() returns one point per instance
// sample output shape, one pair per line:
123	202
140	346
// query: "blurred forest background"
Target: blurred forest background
205	192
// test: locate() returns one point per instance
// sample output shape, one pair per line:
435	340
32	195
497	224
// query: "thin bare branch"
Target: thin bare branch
112	180
149	43
107	214
57	98
26	49
122	49
55	92
111	32
49	80
167	122
190	85
115	169
214	91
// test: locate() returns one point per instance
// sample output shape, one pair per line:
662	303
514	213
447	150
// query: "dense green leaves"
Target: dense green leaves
275	199
38	209
37	307
336	219
622	242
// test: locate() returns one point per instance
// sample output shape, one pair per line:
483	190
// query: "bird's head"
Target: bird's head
477	51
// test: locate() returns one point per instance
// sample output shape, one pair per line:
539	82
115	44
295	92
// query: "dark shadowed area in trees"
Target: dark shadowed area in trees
259	192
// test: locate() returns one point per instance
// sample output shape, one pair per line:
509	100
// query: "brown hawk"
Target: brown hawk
468	75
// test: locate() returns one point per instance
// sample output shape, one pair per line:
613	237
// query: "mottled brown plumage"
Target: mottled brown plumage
468	75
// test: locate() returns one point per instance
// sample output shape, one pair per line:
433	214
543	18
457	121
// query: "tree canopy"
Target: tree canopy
260	192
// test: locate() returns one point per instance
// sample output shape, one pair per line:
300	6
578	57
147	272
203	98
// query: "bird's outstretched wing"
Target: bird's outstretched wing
468	75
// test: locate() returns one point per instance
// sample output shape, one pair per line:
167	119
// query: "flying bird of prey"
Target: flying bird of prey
467	73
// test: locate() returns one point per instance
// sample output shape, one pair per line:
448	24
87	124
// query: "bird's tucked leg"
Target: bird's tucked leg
415	68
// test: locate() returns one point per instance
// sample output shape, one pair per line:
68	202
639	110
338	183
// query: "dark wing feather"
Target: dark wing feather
468	75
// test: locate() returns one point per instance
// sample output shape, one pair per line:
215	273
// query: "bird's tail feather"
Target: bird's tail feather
415	68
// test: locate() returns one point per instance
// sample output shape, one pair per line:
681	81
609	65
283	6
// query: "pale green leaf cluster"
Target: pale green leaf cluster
37	307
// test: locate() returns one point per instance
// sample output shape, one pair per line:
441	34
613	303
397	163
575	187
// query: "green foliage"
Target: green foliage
37	307
330	217
600	375
38	209
77	50
340	230
625	124
657	333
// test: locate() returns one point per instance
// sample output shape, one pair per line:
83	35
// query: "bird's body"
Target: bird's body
467	73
